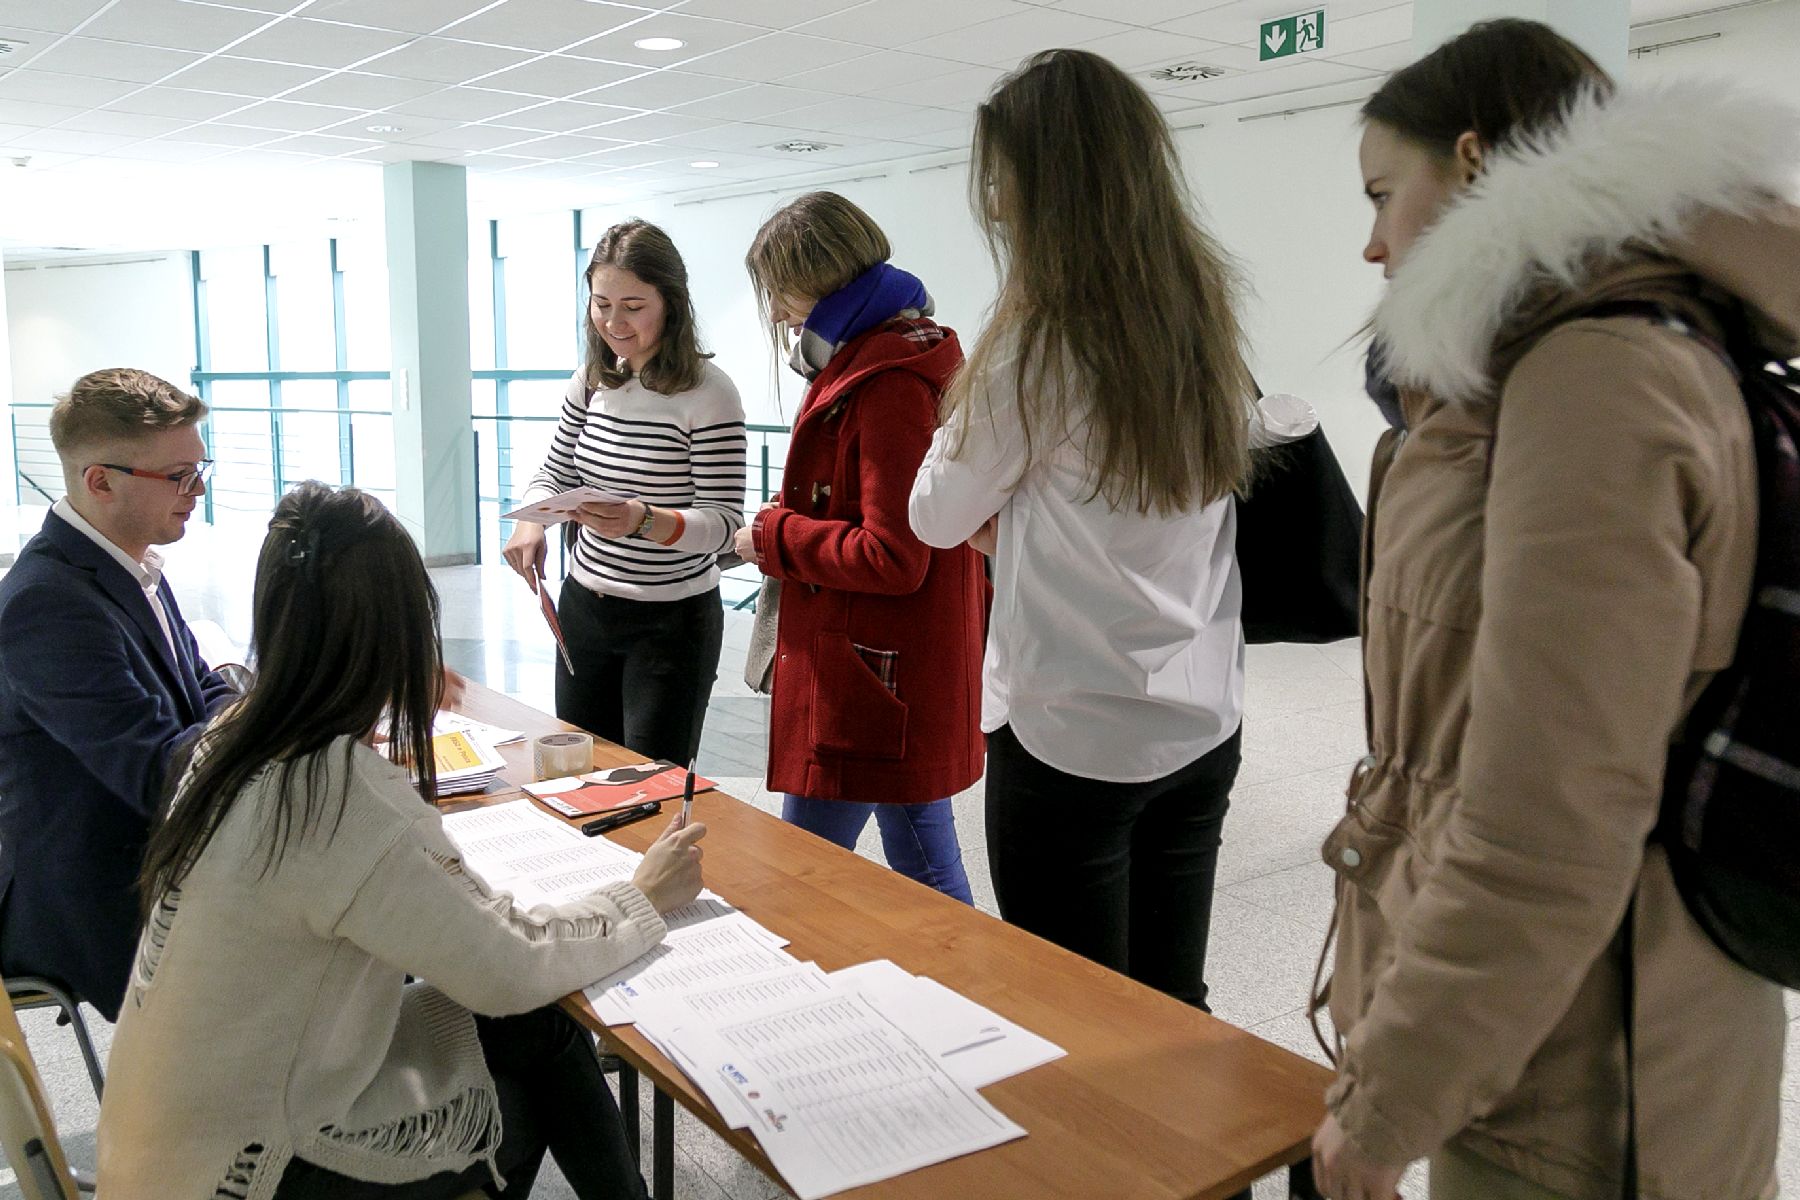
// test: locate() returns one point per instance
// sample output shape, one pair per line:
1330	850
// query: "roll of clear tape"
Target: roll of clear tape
555	755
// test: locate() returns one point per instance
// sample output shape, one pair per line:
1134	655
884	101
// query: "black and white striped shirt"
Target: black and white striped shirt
684	452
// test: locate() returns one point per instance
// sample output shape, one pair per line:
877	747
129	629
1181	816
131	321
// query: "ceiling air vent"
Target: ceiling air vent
10	46
1187	72
801	146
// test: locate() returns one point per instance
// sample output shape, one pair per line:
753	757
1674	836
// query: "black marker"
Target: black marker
623	817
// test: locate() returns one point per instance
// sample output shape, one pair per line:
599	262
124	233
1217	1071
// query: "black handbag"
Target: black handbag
1299	545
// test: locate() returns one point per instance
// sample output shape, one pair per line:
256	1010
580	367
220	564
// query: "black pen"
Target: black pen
687	795
623	817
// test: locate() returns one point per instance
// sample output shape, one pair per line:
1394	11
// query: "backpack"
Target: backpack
1730	819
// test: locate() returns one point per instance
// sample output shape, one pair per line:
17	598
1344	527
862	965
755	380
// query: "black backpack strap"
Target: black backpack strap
1628	1010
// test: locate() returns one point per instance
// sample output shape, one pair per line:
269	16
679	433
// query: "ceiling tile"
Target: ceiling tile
557	78
887	68
567	145
56	16
178	102
1240	20
1383	27
867	152
48	87
36	116
112	60
474	137
840	115
631	155
69	141
464	104
663	89
753	103
701	35
227	135
1007	40
410	16
564	116
1380	58
243	76
324	145
782	15
494	162
650	127
875	24
318	43
169	152
405	127
1152	47
289	117
357	89
444	60
1144	12
965	87
405	152
175	24
726	138
927	126
261	160
133	125
774	58
543	24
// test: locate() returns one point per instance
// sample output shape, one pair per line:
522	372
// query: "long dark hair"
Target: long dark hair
649	253
345	632
1078	188
1502	80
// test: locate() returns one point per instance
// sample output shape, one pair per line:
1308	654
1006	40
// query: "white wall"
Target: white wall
66	319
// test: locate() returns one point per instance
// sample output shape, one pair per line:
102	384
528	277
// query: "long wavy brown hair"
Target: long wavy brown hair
1120	308
650	254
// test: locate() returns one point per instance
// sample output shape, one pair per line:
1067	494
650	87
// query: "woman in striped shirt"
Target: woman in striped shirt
649	420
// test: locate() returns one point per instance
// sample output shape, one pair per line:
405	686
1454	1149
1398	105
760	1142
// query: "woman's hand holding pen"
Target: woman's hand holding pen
669	876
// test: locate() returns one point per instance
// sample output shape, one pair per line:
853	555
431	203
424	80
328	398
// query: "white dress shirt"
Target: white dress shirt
1115	650
148	573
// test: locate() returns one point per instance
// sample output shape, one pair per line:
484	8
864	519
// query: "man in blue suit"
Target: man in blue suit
100	681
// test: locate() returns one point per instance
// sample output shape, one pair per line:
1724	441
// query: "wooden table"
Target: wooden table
1154	1099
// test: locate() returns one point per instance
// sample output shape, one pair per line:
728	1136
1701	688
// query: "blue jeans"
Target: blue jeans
920	839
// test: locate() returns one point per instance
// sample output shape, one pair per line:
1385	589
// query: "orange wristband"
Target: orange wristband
680	528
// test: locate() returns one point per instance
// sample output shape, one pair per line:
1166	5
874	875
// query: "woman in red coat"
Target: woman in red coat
877	679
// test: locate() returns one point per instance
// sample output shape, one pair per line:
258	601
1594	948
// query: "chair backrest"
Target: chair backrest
27	1127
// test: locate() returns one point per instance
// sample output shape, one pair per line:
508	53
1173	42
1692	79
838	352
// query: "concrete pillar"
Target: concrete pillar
1601	27
428	314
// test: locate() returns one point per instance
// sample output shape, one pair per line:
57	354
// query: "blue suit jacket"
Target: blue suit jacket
92	703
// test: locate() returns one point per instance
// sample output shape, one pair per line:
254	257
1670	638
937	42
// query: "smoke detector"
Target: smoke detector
801	146
1187	72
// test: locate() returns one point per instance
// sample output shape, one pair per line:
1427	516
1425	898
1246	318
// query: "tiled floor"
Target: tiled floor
1303	729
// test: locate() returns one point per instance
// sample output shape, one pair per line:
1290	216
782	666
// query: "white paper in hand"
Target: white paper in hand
561	507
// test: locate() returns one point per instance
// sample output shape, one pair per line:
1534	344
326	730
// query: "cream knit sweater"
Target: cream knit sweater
267	1015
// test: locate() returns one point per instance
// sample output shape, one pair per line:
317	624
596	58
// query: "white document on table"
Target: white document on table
492	735
838	1095
976	1045
718	951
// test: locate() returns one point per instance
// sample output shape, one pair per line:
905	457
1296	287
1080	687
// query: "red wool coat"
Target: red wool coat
862	597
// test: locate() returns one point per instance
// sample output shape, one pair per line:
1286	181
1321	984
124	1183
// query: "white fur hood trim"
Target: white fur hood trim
1638	167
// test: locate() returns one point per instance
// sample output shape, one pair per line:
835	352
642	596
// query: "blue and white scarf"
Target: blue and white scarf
873	298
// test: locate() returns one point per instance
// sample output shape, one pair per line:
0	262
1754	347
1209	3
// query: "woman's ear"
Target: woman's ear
1468	156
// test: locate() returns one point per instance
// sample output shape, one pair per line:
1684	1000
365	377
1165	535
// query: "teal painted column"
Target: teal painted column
1601	27
428	316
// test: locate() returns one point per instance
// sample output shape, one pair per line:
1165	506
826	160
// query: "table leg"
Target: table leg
628	1108
662	1147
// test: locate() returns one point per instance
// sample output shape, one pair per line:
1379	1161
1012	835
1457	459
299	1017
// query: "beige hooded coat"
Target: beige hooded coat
1560	555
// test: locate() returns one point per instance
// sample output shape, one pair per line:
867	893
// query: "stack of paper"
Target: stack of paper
491	735
464	763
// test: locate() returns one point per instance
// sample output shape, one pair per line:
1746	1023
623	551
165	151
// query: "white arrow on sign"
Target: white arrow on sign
1276	39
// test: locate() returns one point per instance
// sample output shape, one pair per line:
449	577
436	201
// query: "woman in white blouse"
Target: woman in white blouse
269	1044
1092	446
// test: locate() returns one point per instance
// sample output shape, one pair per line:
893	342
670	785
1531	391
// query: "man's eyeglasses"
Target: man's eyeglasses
186	482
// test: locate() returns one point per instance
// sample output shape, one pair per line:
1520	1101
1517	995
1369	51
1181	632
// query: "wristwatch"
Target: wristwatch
647	524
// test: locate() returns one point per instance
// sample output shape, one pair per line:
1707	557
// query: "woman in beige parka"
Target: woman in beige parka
1559	557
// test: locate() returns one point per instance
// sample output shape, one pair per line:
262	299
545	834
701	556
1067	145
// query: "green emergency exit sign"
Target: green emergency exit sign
1299	34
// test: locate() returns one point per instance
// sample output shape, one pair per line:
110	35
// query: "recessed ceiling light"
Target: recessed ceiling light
384	129
659	43
704	164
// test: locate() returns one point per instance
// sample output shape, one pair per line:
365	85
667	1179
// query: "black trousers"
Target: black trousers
644	669
1120	873
552	1097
